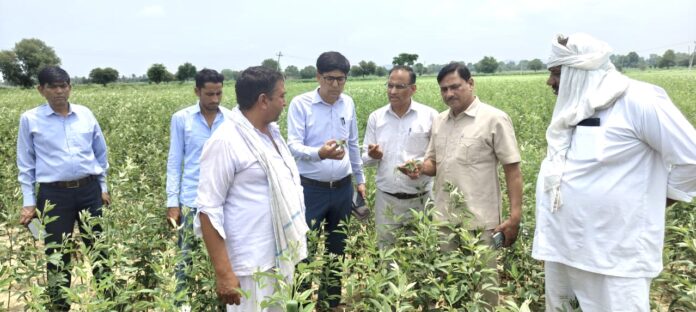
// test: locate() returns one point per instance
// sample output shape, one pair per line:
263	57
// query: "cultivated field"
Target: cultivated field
414	275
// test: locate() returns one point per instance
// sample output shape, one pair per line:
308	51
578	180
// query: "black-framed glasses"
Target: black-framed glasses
398	86
331	79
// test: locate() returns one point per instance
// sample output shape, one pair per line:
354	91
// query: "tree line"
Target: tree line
20	66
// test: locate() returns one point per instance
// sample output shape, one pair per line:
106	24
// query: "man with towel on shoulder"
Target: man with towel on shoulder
250	200
619	151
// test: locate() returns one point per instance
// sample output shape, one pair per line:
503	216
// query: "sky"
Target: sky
131	35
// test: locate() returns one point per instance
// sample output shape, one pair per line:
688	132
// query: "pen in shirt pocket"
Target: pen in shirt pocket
343	121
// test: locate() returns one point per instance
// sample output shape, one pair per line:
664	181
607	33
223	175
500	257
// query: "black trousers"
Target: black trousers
67	205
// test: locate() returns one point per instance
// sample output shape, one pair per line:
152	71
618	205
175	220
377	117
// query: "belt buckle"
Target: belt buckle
72	184
332	184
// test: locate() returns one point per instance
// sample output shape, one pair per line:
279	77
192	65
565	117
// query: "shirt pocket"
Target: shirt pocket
469	151
344	127
417	143
586	143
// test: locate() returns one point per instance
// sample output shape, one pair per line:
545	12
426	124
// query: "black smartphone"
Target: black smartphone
498	240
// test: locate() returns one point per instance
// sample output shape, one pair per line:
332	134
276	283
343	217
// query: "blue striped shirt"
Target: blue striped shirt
188	133
52	148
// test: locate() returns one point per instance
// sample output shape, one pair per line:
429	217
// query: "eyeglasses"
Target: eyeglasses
331	79
398	86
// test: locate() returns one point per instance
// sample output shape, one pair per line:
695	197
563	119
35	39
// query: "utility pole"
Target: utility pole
279	55
691	62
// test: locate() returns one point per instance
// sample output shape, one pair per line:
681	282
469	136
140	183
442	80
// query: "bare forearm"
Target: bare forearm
217	250
513	179
429	168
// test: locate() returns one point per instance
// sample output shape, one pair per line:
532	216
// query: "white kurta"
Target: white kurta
615	182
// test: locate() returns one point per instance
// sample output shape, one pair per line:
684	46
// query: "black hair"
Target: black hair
53	74
461	69
253	82
330	61
208	75
411	73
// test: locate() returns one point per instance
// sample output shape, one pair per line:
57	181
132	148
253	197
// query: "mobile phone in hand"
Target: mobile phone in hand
35	229
498	240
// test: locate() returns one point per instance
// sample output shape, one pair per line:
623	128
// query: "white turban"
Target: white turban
589	82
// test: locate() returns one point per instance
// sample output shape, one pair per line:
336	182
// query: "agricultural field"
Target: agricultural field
413	276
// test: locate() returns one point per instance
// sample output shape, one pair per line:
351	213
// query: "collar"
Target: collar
47	110
470	111
411	108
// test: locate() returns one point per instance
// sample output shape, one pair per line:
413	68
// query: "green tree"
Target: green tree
356	71
380	71
487	65
271	63
185	72
230	74
535	64
158	73
292	72
669	59
308	72
368	68
103	76
420	69
633	60
405	59
20	65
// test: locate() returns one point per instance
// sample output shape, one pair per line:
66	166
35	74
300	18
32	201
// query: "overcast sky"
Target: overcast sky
131	35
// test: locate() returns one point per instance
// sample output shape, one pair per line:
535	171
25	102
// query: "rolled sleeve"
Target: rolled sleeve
216	177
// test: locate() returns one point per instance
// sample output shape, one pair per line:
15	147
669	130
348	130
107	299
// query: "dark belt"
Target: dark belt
72	184
330	184
405	195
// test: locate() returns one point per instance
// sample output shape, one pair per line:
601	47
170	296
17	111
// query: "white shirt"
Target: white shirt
401	139
312	122
615	182
233	192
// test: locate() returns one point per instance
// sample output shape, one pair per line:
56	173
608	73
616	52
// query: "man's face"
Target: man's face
57	93
456	92
331	85
554	78
209	96
400	89
277	100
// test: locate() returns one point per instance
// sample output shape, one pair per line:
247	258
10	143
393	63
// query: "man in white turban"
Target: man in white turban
619	151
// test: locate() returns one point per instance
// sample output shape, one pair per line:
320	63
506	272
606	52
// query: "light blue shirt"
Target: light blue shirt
52	148
188	133
312	122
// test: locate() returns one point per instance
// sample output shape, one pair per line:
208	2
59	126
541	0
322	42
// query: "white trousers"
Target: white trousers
594	292
258	291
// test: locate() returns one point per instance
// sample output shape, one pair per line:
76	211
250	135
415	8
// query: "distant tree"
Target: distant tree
653	60
308	72
633	60
356	71
380	71
103	76
292	72
405	59
487	65
682	59
185	72
158	73
535	64
420	69
368	68
271	63
523	65
230	74
434	68
668	59
20	65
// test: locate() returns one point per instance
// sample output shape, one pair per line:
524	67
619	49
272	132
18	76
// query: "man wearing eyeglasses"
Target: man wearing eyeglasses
396	137
468	141
323	138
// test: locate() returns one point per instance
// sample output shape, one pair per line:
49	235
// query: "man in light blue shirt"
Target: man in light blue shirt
61	147
323	138
191	127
